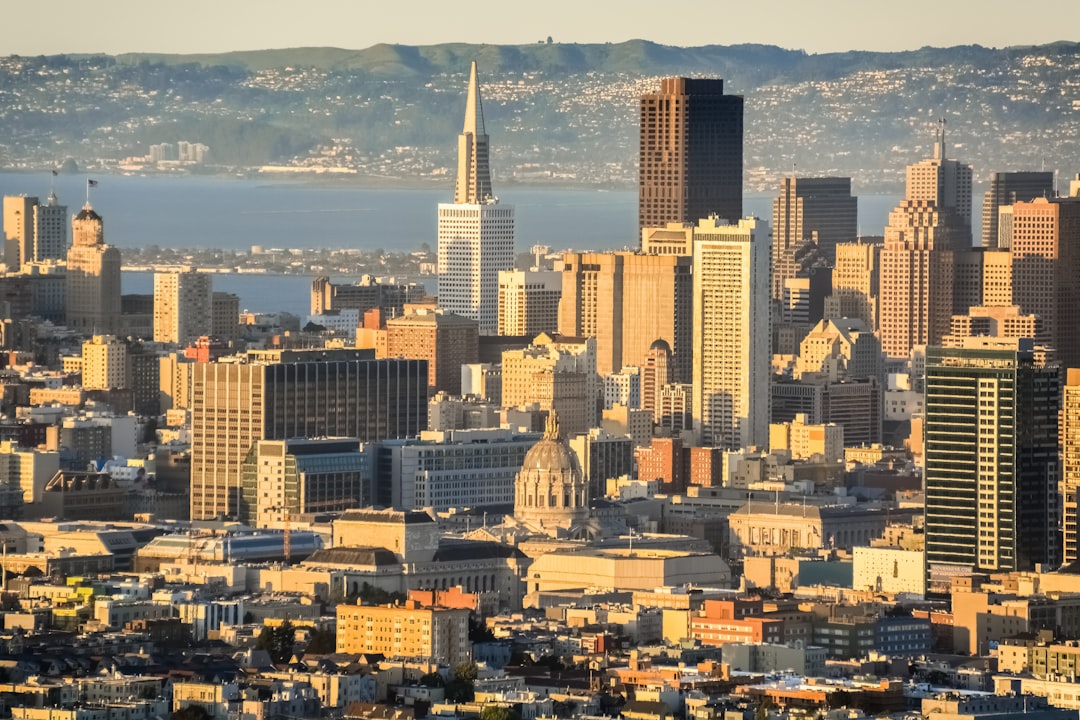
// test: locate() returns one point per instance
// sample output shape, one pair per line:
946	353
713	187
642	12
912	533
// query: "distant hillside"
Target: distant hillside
556	112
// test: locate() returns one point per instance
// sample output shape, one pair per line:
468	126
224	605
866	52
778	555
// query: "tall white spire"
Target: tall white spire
473	175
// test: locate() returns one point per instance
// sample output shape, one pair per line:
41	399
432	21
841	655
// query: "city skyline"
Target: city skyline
121	26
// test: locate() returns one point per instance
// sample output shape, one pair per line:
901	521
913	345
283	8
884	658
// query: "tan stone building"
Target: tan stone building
529	302
855	283
1046	269
407	631
93	277
775	528
557	373
627	301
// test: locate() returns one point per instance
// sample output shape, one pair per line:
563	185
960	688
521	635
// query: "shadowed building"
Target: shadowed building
691	153
991	448
1007	188
817	211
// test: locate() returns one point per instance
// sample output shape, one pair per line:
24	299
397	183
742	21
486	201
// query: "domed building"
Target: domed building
550	491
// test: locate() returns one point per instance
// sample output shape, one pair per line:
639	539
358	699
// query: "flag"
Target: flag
54	173
91	183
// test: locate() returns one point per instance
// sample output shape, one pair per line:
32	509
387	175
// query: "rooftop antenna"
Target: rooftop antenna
939	146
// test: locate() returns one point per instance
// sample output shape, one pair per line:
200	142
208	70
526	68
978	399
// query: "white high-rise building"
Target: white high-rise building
732	334
183	306
476	233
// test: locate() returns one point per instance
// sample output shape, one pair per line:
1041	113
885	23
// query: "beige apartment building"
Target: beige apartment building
407	631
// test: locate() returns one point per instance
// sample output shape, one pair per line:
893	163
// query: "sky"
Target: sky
816	26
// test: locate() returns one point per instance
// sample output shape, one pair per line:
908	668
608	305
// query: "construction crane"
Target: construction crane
288	535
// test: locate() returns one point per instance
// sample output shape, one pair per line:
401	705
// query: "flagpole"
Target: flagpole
87	191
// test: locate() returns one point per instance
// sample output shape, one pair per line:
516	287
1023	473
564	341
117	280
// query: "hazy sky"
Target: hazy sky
191	26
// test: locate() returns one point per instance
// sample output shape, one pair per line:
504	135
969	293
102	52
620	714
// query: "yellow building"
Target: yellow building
804	440
104	363
889	570
405	631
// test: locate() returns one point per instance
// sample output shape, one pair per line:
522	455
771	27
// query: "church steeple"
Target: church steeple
473	174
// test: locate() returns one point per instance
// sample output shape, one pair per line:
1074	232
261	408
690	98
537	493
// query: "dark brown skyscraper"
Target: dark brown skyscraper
691	153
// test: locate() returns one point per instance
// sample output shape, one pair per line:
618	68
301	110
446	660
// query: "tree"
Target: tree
321	641
461	687
277	642
191	712
499	712
761	712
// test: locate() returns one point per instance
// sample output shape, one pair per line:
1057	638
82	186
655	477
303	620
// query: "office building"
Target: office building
529	302
277	395
602	456
183	306
946	184
476	233
918	261
284	479
623	388
655	374
627	301
810	211
1007	188
451	469
93	277
384	294
50	231
1046	270
917	274
691	153
447	341
557	374
805	440
855	405
674	412
1069	437
843	349
225	316
991	458
731	335
671	239
18	230
855	283
439	635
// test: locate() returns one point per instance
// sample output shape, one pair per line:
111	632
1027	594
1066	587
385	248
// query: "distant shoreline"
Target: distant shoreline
335	180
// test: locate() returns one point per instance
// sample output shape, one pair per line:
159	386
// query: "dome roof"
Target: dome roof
87	213
660	344
552	453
